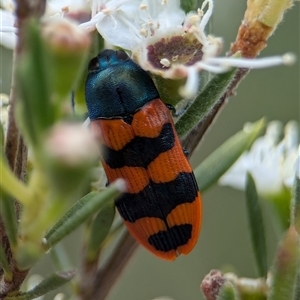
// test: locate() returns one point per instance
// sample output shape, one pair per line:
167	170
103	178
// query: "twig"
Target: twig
16	153
108	275
12	136
15	149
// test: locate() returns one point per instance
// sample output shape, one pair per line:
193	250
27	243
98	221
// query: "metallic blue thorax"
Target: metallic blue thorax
116	86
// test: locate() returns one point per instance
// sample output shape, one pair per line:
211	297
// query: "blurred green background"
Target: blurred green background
224	241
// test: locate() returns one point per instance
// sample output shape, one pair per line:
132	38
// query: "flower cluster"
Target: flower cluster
273	161
161	37
76	9
166	41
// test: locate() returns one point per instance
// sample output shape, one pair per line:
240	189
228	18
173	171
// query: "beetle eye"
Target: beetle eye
121	55
94	64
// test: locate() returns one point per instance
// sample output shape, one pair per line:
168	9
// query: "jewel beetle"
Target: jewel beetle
162	205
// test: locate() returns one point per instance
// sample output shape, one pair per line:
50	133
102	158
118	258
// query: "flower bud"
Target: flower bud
68	46
70	151
212	284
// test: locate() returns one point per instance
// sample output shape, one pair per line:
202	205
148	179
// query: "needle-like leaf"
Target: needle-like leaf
256	226
81	211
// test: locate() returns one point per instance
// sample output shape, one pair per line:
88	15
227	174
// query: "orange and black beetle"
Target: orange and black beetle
162	205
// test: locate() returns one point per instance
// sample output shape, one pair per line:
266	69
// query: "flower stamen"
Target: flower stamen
165	62
207	14
191	86
251	63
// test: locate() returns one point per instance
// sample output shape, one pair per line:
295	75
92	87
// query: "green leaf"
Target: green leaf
227	292
5	265
35	110
285	267
80	212
256	226
49	284
99	230
215	165
295	208
9	218
204	102
188	5
71	213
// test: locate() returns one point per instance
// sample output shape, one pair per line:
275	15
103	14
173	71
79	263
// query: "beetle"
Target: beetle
162	205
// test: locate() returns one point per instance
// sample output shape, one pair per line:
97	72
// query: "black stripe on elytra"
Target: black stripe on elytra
140	151
171	239
158	199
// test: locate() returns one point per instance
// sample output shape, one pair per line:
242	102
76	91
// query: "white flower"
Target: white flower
273	162
4	109
166	41
116	21
162	38
8	37
74	9
63	7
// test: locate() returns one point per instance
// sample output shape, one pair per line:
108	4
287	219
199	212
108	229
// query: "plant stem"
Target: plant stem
192	140
15	149
108	275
